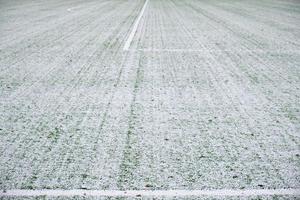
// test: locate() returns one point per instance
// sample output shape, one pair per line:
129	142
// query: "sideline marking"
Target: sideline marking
134	29
212	51
153	193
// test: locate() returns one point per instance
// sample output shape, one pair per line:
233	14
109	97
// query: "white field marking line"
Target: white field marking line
70	9
205	50
134	29
73	8
152	193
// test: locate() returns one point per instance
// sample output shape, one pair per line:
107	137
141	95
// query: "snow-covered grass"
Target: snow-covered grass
205	98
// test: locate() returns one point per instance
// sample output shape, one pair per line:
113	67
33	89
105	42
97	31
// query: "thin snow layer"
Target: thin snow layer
207	97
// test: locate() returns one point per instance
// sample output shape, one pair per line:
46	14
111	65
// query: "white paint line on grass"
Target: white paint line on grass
134	29
215	50
73	8
151	193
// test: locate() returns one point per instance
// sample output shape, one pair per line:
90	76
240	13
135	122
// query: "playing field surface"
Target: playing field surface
149	99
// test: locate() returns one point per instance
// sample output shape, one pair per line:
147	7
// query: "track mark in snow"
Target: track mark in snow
130	154
135	26
153	193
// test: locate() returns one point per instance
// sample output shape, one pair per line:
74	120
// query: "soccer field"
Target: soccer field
149	99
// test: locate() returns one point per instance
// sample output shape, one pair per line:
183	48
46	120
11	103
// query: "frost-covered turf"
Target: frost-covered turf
206	97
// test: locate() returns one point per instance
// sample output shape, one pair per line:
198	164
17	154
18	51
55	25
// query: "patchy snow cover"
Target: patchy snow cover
206	97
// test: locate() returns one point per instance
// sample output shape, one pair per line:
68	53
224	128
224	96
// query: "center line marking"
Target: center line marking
134	29
150	193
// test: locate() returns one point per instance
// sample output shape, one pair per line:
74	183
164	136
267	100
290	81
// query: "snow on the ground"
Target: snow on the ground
207	97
